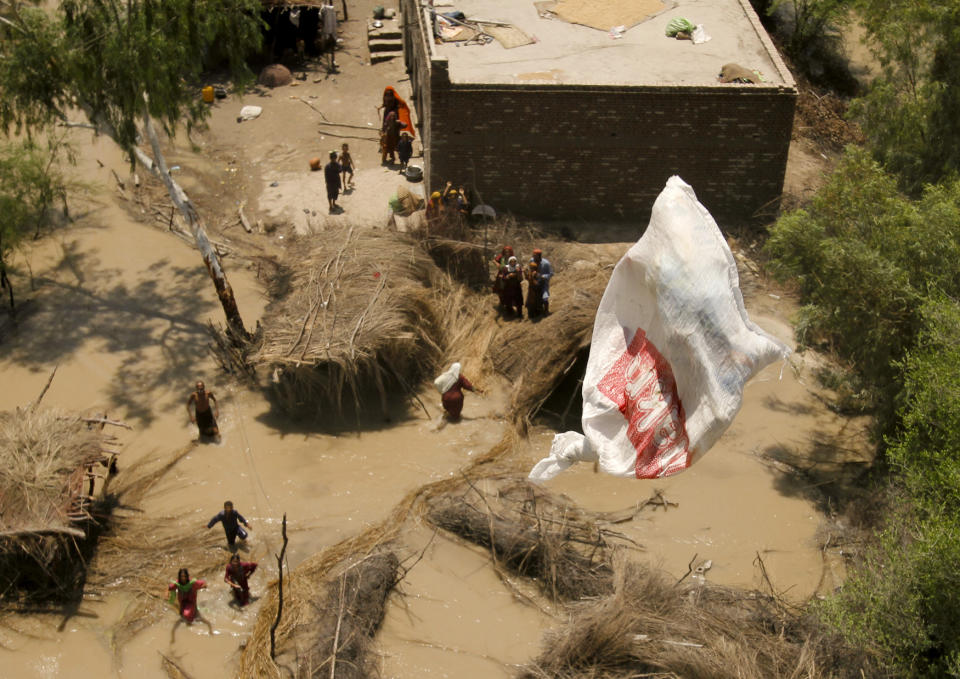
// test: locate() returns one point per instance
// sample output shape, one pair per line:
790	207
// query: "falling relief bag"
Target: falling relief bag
672	349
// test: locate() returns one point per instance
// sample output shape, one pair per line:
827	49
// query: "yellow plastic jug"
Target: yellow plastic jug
207	94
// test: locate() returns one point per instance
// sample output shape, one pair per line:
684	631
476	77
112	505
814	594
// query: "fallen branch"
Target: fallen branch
104	420
689	568
276	622
243	220
33	406
63	530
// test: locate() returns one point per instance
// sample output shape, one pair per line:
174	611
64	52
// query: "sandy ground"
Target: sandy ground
120	307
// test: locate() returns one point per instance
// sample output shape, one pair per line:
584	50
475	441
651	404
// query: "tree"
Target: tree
29	183
809	21
124	64
911	115
902	601
865	257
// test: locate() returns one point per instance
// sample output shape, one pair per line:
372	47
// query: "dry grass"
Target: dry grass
653	626
533	533
336	639
45	514
352	312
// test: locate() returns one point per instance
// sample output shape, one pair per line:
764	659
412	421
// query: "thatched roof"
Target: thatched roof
46	456
354	308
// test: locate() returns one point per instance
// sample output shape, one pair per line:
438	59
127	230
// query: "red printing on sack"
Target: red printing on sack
642	385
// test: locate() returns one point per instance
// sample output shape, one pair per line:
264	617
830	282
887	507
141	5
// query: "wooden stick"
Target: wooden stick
33	406
64	530
689	569
120	182
276	622
336	634
104	420
244	222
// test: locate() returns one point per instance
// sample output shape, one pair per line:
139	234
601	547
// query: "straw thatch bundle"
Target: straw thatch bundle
46	456
533	533
334	640
653	626
354	310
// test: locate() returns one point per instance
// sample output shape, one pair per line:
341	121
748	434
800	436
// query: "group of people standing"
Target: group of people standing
396	129
508	284
449	203
396	139
338	175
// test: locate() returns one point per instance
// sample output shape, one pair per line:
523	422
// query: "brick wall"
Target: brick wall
602	153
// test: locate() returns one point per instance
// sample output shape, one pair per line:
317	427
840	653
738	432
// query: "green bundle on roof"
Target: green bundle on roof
679	25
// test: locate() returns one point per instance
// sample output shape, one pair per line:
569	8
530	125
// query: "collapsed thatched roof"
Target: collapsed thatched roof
46	472
354	308
44	455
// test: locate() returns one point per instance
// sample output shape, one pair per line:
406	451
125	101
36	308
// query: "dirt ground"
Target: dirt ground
120	306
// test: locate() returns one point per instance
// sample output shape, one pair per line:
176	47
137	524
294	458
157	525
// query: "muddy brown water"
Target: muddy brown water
120	308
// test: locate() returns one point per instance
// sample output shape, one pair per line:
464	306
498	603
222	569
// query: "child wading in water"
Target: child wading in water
236	576
346	164
183	594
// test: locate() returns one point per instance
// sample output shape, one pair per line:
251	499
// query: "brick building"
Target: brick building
580	125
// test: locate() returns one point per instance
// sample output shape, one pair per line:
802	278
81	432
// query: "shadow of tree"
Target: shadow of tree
152	325
826	471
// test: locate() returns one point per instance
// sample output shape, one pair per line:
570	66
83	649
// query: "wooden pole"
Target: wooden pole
276	622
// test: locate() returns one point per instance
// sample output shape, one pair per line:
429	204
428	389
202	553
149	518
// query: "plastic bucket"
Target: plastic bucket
208	94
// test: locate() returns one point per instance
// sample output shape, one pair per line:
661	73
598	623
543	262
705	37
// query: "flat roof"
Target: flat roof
573	54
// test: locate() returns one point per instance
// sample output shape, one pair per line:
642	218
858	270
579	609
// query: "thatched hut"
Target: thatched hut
48	463
355	311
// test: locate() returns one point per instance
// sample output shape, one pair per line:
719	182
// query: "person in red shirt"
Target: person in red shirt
236	576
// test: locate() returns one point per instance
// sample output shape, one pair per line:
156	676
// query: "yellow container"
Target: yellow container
207	94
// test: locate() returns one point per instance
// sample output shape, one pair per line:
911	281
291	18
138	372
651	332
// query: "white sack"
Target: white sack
672	349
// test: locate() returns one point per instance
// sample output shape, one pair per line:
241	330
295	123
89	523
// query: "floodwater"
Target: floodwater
121	310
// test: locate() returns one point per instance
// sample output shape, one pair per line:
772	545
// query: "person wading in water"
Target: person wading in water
183	594
205	412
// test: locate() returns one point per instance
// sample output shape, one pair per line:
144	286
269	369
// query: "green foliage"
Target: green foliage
880	276
810	21
106	55
865	257
30	181
911	116
927	453
902	603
